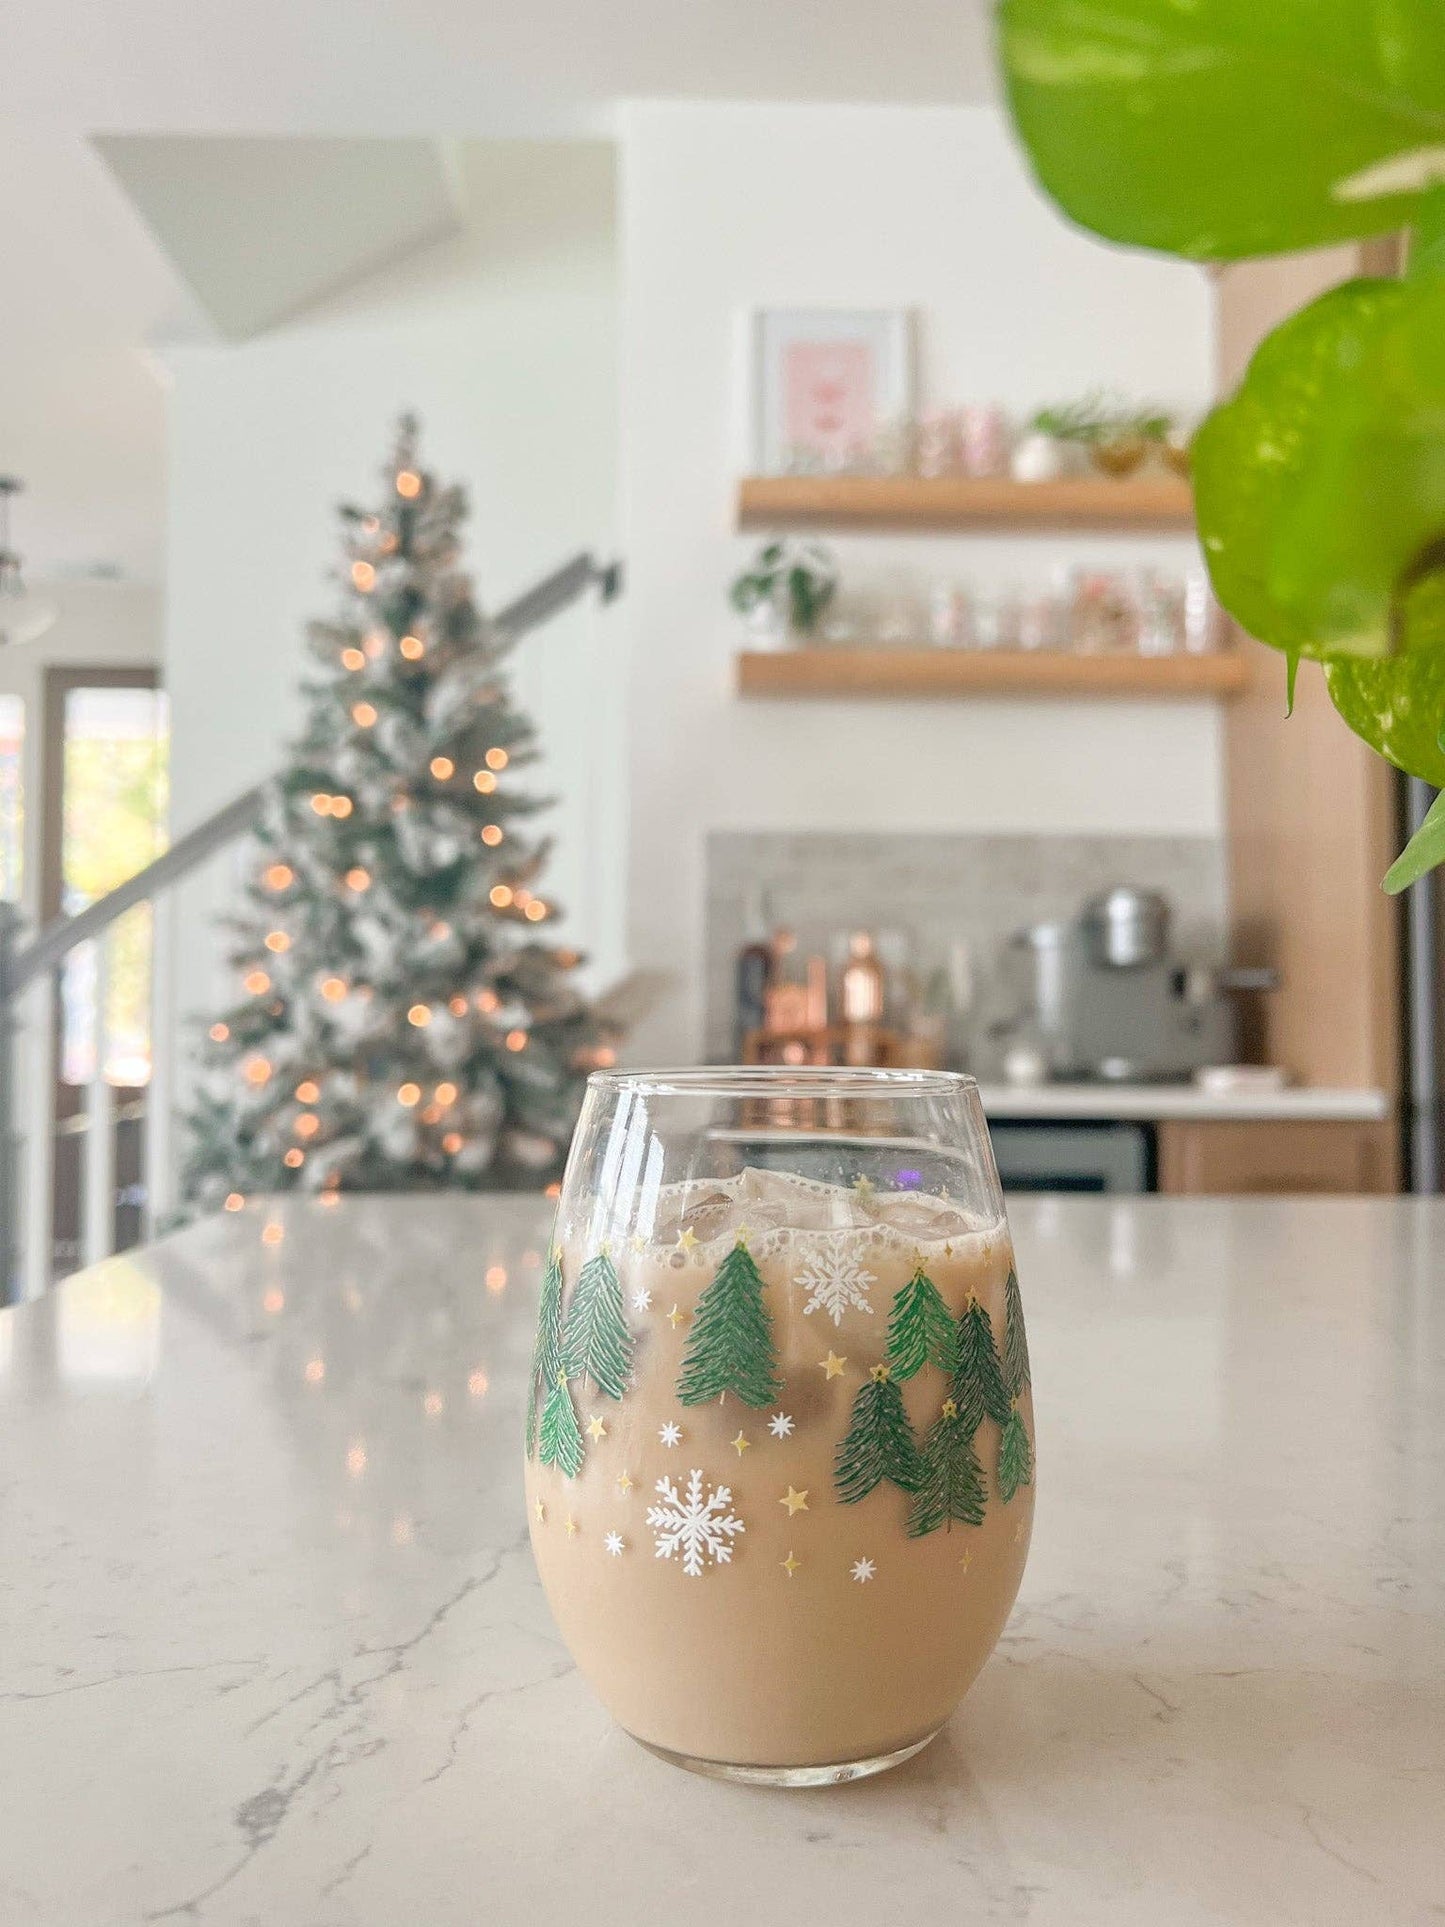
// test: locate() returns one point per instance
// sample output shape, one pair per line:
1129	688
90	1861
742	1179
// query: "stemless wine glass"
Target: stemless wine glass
780	1433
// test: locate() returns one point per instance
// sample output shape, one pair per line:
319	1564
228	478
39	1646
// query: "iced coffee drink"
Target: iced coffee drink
780	1464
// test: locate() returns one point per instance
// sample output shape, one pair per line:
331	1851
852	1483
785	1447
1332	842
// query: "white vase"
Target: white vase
1037	458
768	626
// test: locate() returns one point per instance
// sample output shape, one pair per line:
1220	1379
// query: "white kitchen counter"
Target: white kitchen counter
1154	1103
274	1650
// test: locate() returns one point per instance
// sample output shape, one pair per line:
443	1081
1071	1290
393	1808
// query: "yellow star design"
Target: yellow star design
948	1251
795	1501
1019	1531
687	1239
639	1243
790	1565
676	1317
624	1484
963	1562
571	1527
864	1187
832	1365
740	1444
541	1512
596	1429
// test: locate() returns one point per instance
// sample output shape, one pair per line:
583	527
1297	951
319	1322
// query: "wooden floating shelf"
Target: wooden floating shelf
940	673
1157	502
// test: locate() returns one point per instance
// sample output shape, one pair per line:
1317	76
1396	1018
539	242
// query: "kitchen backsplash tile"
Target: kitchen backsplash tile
922	892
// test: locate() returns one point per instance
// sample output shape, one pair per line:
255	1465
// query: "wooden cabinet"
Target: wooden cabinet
1206	1159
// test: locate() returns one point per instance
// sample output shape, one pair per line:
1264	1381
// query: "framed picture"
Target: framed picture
826	381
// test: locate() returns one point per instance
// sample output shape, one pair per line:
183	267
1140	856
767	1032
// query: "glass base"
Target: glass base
836	1774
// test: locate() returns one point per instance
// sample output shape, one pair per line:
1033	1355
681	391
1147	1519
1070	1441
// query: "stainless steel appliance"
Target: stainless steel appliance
1109	1001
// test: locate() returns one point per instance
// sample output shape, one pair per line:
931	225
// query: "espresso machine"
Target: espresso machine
1106	999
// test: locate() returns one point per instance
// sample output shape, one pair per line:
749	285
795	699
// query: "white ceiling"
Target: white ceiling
87	287
470	67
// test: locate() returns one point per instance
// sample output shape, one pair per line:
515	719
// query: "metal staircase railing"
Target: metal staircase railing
33	966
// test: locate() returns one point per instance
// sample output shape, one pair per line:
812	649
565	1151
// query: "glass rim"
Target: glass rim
782	1081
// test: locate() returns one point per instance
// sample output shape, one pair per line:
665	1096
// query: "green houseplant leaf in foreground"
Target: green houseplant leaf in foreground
1218	129
1224	128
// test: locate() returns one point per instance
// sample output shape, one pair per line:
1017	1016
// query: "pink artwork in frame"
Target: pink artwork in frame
829	405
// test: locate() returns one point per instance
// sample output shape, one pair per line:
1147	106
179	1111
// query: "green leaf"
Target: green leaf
1224	128
1398	704
1424	851
1320	485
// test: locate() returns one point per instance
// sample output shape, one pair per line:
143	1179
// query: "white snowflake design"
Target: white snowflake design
863	1570
780	1425
670	1434
697	1527
614	1543
641	1300
836	1282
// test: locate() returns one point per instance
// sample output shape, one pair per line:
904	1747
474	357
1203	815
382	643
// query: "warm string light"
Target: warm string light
452	1143
325	805
409	1094
307	1124
408	484
218	1033
499	896
477	1384
333	989
234	1201
273	1301
484	782
363	714
420	1015
373	645
277	941
278	876
488	1001
412	647
445	1093
256	1070
363	576
294	1159
341	806
496	759
315	1371
307	1091
457	1006
496	1279
358	879
553	1191
516	1040
491	835
431	1114
353	659
443	768
272	1233
535	911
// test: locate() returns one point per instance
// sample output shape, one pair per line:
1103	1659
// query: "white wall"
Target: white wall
504	341
729	207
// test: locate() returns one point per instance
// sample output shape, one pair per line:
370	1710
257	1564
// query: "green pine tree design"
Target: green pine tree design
598	1344
920	1329
1015	1457
952	1486
1015	1453
978	1387
561	1440
730	1347
1015	1343
880	1443
547	1349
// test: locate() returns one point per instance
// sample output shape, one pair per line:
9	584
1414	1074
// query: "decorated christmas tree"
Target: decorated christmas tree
399	1020
730	1347
561	1441
879	1444
1015	1454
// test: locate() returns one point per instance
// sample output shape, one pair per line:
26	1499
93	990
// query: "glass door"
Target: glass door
106	760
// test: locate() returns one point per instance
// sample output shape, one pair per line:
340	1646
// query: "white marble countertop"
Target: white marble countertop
1154	1103
274	1651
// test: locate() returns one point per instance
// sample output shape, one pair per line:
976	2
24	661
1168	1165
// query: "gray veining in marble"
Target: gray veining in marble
920	892
274	1654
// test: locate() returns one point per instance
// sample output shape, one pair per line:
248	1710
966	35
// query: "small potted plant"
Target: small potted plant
784	590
